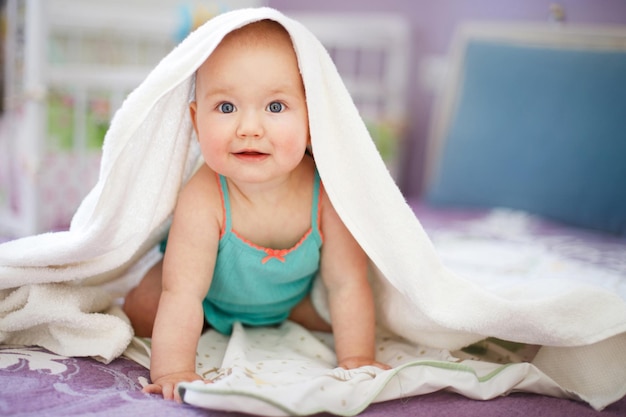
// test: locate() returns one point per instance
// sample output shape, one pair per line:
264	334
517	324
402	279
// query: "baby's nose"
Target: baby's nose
250	124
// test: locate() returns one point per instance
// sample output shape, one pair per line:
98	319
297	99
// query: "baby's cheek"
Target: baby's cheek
296	142
213	154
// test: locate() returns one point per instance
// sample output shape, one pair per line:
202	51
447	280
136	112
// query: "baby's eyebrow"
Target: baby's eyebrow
208	89
208	92
218	90
287	91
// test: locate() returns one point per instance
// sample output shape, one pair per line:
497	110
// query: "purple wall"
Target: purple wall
433	23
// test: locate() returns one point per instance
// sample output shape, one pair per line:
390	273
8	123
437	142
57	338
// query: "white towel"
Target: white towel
150	151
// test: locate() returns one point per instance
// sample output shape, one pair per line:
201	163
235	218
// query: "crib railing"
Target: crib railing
69	64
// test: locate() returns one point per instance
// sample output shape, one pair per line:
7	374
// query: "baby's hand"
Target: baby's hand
354	362
166	385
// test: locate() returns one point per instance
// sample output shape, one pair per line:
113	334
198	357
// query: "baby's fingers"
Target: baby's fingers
170	392
152	389
167	390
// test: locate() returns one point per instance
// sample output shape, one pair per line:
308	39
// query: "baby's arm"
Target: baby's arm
344	271
187	272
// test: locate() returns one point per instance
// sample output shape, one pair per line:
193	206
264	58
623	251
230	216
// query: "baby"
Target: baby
254	226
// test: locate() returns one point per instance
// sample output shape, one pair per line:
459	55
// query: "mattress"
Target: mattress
496	247
501	247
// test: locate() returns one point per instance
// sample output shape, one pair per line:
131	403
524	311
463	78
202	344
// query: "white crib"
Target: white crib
70	63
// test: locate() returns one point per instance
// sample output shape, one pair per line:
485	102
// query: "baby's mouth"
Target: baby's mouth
250	155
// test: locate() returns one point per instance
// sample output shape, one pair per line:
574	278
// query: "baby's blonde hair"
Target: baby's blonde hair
259	32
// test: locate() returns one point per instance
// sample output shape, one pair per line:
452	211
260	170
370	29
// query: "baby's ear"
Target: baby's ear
193	109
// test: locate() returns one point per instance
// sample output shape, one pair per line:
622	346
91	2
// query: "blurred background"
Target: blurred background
68	64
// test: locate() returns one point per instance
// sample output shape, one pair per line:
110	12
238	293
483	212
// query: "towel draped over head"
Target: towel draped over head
51	284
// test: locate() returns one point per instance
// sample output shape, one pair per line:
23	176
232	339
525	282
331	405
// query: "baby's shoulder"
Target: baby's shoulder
202	191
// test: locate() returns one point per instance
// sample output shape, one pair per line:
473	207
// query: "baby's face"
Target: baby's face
250	113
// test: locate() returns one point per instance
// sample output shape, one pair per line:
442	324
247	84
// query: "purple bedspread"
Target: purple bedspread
87	387
44	384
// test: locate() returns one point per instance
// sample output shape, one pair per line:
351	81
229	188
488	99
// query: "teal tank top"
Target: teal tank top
259	286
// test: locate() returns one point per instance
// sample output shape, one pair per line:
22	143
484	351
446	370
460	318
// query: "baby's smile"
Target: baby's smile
250	155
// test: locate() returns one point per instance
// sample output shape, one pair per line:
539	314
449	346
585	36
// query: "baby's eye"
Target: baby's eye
275	107
226	107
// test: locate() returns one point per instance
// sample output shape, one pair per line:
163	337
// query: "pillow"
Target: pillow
538	129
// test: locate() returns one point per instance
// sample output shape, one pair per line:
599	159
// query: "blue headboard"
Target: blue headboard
535	119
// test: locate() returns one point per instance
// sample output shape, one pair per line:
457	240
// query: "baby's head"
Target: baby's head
250	98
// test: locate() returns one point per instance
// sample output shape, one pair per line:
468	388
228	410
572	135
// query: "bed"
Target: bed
493	240
39	383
